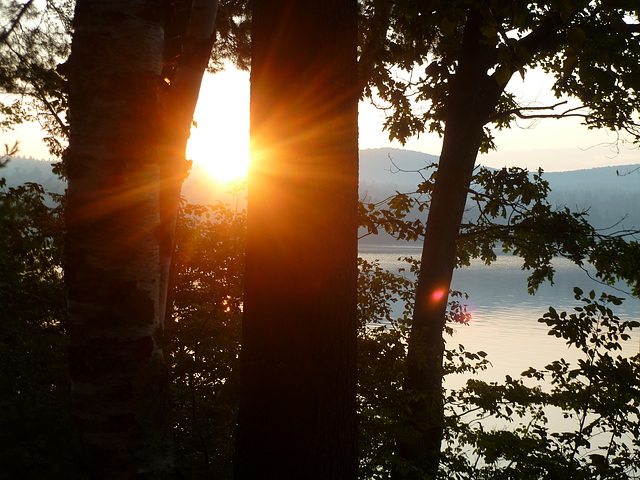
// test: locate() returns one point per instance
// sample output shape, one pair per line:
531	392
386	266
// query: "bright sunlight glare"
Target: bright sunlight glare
220	134
220	142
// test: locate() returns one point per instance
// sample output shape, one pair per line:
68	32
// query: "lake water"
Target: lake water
504	316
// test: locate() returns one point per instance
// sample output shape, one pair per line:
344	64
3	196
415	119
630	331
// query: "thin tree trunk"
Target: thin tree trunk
178	106
473	97
297	416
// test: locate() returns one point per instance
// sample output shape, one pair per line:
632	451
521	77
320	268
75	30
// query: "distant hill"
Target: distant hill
21	170
198	188
609	193
392	166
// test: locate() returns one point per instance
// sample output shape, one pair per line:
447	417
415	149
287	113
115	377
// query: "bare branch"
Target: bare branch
519	111
630	127
624	174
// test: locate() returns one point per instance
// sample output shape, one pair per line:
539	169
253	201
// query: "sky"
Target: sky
220	140
222	116
552	144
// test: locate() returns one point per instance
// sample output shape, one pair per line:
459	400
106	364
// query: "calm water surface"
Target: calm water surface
504	317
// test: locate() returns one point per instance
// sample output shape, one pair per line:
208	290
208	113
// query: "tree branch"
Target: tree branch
376	40
5	35
520	113
547	37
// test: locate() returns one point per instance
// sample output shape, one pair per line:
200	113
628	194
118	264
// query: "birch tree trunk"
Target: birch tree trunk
184	77
122	196
297	416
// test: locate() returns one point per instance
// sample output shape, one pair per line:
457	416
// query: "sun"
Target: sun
225	156
220	133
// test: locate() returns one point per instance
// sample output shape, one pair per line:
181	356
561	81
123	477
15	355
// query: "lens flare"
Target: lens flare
437	294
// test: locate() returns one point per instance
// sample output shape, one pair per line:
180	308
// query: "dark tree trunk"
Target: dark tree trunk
297	418
473	96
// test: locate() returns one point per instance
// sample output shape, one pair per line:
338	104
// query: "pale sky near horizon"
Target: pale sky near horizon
222	134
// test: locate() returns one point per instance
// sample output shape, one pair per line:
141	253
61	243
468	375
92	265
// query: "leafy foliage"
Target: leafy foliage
591	48
205	341
34	383
232	42
233	35
34	39
456	59
203	336
382	342
597	396
508	211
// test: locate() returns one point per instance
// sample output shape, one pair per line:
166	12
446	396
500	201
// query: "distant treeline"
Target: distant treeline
609	194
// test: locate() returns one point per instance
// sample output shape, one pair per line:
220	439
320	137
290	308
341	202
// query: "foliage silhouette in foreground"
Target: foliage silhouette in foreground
34	381
458	58
203	337
598	394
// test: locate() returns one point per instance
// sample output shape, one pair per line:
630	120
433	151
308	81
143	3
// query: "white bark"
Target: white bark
113	253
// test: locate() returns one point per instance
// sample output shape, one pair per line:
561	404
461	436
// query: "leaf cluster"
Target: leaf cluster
35	37
501	429
508	211
598	394
597	397
233	36
382	343
590	48
511	213
34	383
203	336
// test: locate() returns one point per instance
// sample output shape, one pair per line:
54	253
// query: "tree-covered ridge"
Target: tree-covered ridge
609	194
